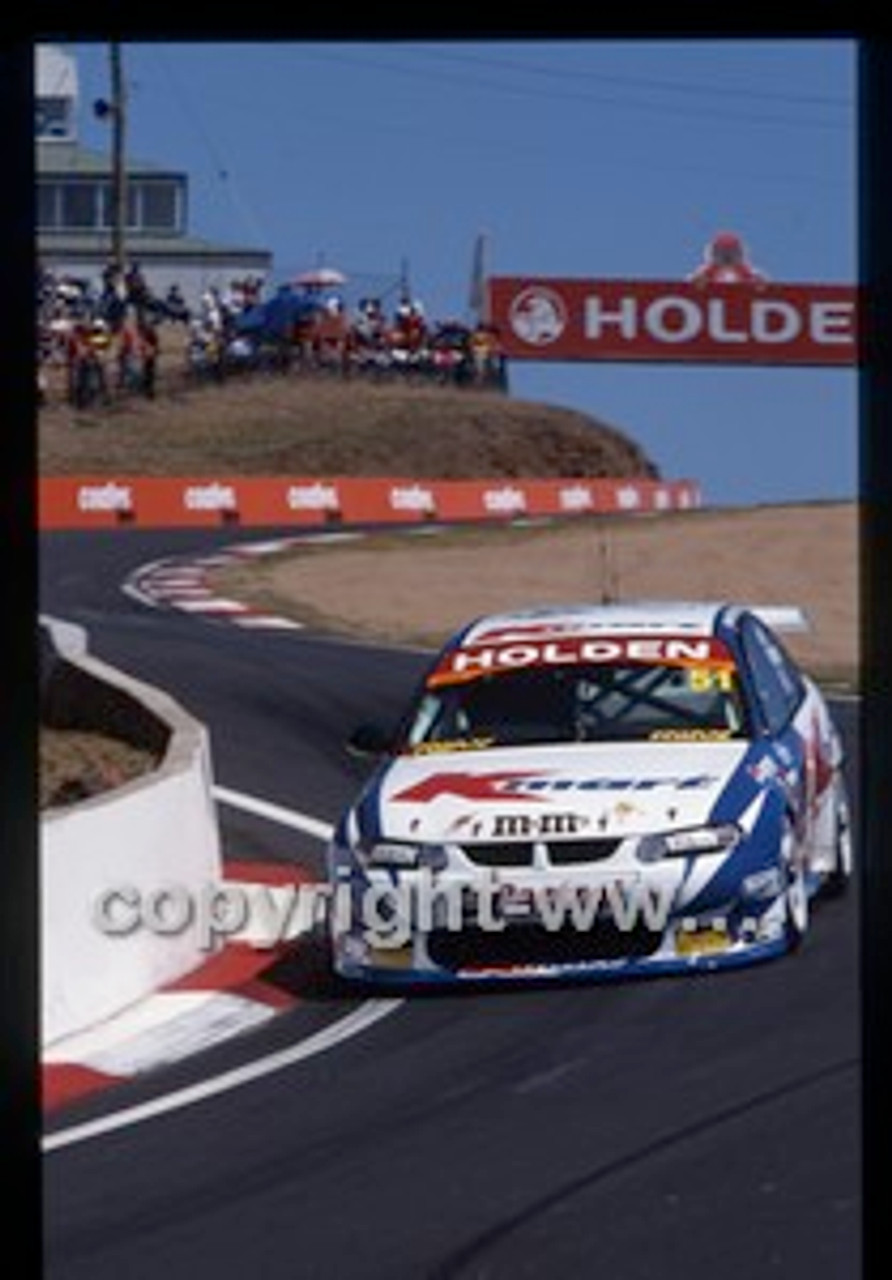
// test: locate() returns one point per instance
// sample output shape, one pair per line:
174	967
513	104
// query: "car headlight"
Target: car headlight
404	854
689	843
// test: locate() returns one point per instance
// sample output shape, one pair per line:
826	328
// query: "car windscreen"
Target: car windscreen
597	702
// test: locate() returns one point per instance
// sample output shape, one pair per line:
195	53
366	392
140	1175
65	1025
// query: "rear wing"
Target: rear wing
781	617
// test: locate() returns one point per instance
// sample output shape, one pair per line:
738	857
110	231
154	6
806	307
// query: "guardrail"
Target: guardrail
156	829
87	502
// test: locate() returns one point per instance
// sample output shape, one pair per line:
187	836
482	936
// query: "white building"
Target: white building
74	203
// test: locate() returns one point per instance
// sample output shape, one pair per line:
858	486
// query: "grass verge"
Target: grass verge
75	765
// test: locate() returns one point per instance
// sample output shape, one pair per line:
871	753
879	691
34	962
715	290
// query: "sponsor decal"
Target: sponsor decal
105	497
312	497
411	498
463	786
628	498
537	826
690	735
467	824
764	770
528	786
576	497
505	501
676	318
692	939
704	654
446	745
538	316
767	770
624	810
665	320
553	628
209	497
763	884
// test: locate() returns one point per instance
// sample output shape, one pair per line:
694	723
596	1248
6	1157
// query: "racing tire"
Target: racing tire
838	880
795	890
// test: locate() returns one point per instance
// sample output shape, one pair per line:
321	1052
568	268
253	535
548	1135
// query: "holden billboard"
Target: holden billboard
545	318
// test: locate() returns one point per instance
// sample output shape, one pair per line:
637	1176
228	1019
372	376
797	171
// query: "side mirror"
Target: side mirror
369	740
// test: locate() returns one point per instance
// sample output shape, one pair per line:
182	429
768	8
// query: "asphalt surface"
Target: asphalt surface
649	1130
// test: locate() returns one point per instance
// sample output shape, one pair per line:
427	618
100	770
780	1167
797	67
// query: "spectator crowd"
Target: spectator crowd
105	340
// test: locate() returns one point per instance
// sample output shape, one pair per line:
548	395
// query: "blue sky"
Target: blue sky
589	158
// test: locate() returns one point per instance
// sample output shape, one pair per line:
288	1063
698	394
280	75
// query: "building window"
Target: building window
107	210
47	206
152	206
159	206
54	118
80	207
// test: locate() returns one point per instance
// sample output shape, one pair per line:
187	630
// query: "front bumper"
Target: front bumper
387	975
531	951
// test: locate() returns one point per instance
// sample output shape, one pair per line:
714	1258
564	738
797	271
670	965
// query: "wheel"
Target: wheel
837	881
795	892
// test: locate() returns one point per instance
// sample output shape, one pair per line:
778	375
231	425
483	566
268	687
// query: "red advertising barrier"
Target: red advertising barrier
96	502
666	320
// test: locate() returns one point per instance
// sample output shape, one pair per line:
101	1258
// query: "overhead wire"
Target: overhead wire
222	169
482	137
706	113
659	84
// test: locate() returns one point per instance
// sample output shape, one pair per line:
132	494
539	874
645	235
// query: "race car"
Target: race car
593	791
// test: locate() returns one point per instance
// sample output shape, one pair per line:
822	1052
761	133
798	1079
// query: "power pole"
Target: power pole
119	168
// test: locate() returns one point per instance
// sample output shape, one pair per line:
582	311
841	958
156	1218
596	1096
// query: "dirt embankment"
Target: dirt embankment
318	425
418	590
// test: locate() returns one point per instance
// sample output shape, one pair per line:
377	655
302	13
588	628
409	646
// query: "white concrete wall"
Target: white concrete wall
158	829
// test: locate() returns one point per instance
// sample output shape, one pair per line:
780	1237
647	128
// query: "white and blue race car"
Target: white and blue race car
593	791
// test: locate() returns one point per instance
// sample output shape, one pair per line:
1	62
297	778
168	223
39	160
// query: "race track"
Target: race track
649	1130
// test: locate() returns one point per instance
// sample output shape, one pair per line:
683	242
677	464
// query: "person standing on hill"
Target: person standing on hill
147	340
127	357
138	293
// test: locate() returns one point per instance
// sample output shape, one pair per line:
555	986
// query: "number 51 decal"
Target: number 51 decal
706	679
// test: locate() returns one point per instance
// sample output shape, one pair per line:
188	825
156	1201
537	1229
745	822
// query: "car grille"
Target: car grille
517	854
520	853
560	852
528	945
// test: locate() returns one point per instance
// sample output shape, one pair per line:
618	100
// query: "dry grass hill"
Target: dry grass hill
313	424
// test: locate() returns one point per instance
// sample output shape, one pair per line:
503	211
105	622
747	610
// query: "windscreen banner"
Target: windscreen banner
667	321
